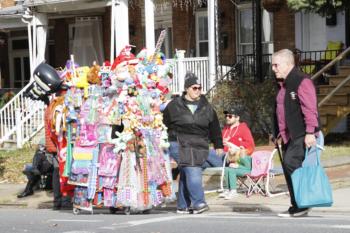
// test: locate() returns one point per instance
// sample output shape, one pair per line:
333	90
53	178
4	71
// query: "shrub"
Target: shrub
255	99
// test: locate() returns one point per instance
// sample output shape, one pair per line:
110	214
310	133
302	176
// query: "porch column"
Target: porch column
41	32
112	45
211	42
149	25
27	18
121	20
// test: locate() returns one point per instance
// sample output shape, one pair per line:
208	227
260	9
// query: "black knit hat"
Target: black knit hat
190	79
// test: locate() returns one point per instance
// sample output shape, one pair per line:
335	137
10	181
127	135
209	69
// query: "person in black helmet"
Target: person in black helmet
47	81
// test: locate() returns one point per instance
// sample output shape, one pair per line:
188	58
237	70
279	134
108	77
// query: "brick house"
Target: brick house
187	30
214	37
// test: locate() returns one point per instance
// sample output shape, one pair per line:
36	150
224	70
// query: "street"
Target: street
45	220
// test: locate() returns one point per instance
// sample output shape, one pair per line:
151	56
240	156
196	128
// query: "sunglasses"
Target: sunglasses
229	116
196	88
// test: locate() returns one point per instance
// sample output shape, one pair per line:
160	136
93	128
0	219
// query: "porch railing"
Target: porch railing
310	62
20	119
197	65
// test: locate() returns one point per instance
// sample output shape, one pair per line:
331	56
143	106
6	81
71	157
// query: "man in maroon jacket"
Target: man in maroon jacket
296	117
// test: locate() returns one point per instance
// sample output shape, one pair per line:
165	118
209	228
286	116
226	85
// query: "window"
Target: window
246	29
202	34
85	41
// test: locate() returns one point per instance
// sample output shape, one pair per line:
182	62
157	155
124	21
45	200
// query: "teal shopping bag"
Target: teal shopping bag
311	185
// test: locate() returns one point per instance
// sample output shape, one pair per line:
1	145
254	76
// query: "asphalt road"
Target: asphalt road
44	220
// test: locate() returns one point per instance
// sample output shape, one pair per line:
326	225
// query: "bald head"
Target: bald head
282	63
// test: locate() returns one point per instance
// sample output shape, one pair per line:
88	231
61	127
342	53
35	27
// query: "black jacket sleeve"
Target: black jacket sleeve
215	135
166	116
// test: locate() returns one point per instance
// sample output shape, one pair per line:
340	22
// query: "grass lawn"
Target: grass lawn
12	163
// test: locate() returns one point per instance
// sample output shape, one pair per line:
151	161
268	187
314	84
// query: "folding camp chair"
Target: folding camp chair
259	179
260	169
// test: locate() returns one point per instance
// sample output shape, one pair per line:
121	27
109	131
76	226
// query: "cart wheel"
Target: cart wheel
148	211
127	211
76	211
112	210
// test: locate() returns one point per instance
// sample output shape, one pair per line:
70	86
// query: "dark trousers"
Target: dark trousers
33	179
293	157
57	196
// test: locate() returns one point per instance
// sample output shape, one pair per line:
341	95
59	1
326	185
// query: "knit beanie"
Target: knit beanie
190	79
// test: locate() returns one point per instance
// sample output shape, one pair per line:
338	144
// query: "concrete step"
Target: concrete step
8	145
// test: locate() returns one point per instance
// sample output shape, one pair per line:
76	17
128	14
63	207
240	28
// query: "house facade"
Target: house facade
212	37
83	28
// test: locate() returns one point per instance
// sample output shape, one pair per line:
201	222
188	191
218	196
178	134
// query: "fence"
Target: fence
197	65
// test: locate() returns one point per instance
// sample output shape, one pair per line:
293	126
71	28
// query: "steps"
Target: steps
338	106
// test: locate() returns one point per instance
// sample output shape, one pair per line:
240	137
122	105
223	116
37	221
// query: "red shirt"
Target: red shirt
240	136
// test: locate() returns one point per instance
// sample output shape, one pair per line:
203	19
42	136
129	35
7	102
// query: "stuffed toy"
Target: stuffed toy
93	75
80	80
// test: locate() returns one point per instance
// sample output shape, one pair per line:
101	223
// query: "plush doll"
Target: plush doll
121	141
125	56
81	79
93	75
164	143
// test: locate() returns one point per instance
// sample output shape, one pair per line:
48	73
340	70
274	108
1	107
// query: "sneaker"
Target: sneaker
201	208
294	212
224	193
231	194
183	211
300	212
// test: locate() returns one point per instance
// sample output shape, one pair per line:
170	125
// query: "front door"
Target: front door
19	62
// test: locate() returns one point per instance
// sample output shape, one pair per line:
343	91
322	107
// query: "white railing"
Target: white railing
197	65
20	119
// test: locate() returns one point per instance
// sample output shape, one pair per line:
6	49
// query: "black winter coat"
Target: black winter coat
192	131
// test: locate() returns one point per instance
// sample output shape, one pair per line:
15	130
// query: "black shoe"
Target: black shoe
25	194
294	212
183	211
200	209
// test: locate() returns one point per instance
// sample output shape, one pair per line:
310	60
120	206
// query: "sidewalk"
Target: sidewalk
338	171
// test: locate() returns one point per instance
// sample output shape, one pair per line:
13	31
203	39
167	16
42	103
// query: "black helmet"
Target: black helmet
47	78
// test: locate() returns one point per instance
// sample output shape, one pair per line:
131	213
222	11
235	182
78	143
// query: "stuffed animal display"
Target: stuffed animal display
132	167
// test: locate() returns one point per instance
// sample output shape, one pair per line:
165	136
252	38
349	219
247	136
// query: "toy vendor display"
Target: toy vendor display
112	144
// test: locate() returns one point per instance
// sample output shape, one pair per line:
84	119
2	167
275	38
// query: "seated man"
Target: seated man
40	166
239	145
236	137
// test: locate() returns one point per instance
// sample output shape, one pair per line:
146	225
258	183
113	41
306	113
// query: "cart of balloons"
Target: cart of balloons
106	122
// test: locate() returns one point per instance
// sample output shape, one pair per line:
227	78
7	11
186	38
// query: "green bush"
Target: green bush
6	97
